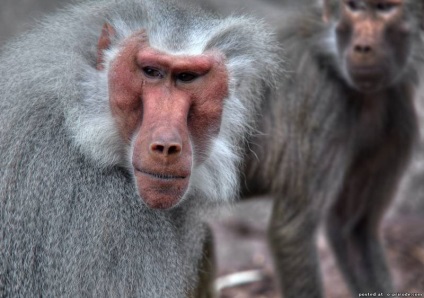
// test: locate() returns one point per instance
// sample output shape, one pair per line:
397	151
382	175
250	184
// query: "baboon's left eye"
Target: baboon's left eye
186	77
384	6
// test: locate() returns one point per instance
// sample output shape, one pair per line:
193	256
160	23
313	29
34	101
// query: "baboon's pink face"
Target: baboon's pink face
169	107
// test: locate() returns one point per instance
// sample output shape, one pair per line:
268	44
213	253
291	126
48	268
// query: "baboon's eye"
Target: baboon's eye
353	5
384	6
152	72
186	77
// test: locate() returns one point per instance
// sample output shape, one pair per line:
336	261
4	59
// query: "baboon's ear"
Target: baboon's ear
108	32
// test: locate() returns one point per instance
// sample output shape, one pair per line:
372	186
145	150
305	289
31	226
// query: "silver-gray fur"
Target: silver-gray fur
324	154
72	224
16	17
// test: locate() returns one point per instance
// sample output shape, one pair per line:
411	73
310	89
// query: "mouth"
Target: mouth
161	189
368	86
161	176
367	78
367	71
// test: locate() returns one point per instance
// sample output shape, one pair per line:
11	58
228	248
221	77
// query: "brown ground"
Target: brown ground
241	246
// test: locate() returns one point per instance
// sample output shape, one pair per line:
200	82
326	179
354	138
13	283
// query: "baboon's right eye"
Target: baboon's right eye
152	72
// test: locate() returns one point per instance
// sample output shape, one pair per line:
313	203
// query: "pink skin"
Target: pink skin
169	105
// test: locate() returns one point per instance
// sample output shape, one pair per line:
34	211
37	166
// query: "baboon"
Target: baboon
120	123
18	16
335	138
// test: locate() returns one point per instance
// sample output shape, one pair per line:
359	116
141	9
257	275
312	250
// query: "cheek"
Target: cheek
399	45
127	120
205	116
204	123
125	90
343	33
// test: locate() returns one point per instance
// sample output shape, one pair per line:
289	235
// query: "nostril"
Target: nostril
165	149
366	49
174	149
157	148
362	49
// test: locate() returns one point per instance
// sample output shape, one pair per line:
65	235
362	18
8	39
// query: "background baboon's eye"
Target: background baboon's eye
384	6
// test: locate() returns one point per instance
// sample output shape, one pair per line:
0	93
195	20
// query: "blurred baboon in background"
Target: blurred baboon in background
120	123
337	136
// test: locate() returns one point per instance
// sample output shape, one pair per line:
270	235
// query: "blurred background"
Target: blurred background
244	264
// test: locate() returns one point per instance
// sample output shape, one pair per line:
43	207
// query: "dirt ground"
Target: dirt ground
241	248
